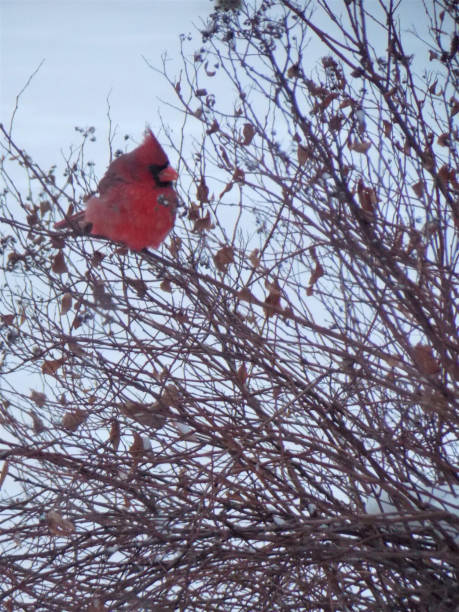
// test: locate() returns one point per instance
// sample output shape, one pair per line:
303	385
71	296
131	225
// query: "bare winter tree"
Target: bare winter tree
261	415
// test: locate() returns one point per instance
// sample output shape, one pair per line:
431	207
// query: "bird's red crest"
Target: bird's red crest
150	151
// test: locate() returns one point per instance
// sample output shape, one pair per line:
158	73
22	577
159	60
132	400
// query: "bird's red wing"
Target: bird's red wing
116	175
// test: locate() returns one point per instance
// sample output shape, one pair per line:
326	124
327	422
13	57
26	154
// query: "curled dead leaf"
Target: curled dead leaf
315	275
204	224
272	301
145	414
39	399
137	448
202	192
359	146
58	265
73	419
255	258
45	207
246	295
166	285
7	319
170	397
115	434
139	286
303	153
387	128
367	198
58	525
3	473
418	188
242	373
227	188
224	257
66	303
175	245
37	424
293	71
213	128
50	367
248	133
425	360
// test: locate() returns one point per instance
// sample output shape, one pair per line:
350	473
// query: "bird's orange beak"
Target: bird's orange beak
168	175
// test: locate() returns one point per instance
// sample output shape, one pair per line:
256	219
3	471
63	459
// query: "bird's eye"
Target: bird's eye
155	170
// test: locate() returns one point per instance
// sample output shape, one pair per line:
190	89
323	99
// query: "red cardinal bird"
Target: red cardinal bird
137	201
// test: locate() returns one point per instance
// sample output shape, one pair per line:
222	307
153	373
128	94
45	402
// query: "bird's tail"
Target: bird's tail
75	221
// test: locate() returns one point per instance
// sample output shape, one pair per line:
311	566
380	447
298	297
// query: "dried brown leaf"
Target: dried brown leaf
3	473
7	319
139	286
246	295
367	198
97	258
242	374
136	449
444	139
37	424
45	207
248	133
360	147
166	285
210	73
175	245
204	224
272	301
224	257
170	398
202	192
303	153
73	419
145	414
315	275
115	434
194	211
254	258
293	71
387	128
425	360
66	303
58	525
335	122
58	265
50	367
418	188
213	128
39	399
227	188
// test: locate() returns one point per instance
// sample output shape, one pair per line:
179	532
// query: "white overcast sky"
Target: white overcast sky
90	48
